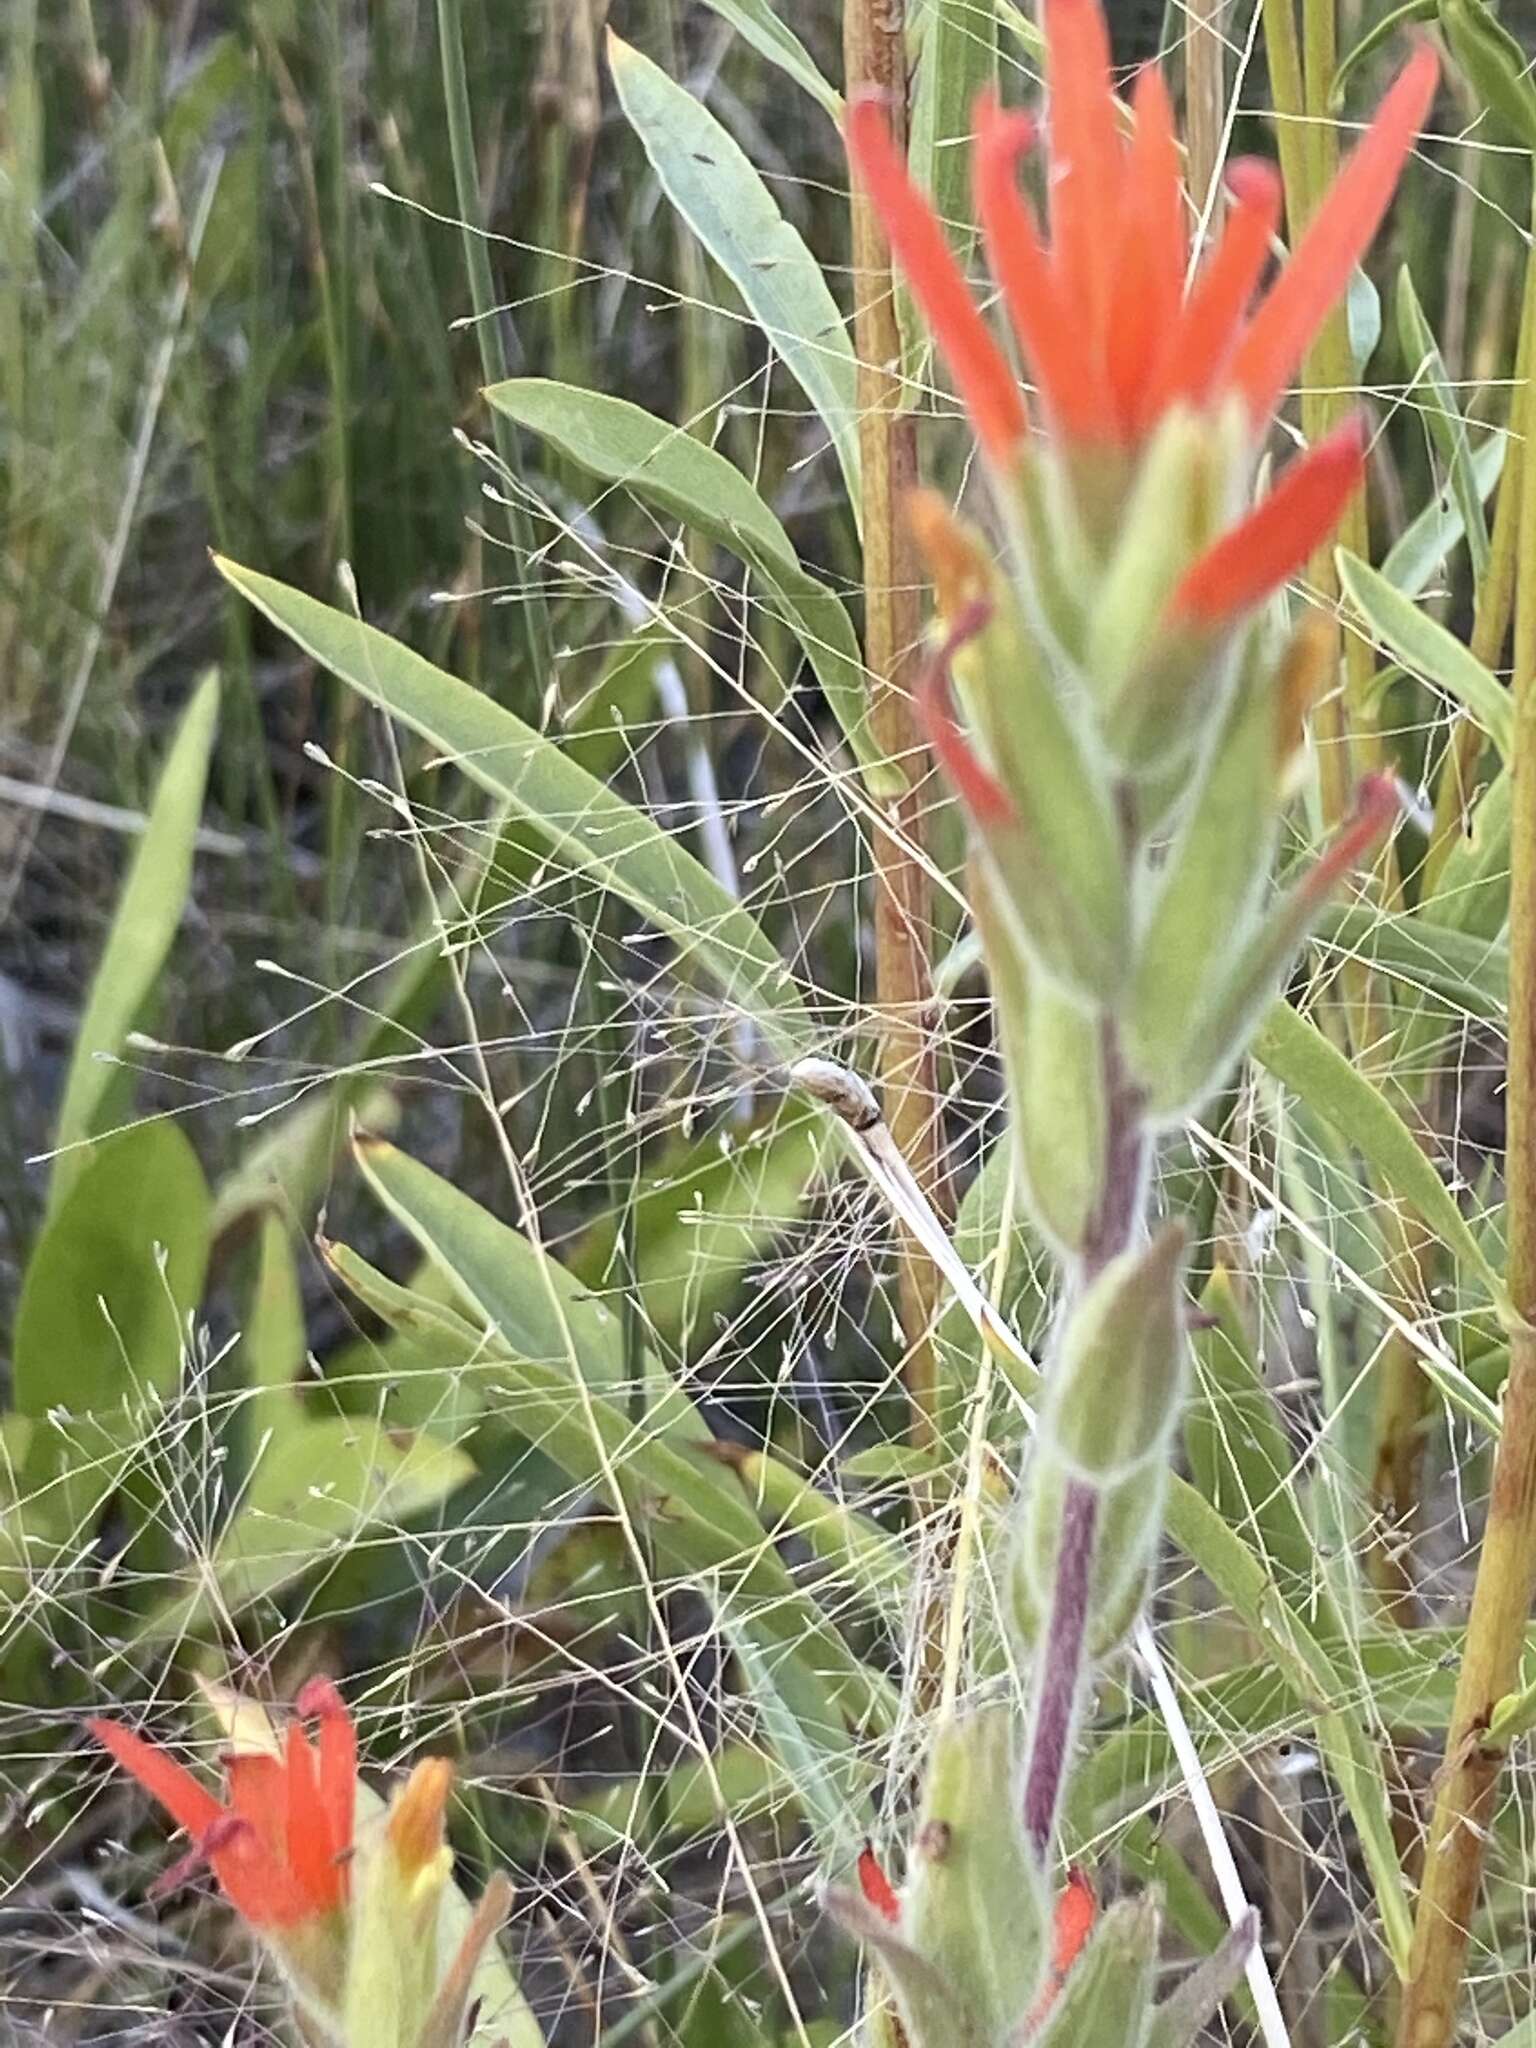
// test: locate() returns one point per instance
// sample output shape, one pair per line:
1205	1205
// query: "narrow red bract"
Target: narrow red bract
876	1886
1314	280
1072	393
981	371
977	787
1195	350
1270	544
279	1845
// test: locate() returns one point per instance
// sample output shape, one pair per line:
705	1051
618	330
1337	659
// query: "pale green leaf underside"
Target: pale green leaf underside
718	192
623	444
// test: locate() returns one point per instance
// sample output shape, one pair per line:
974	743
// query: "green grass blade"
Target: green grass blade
772	37
1425	648
149	909
1297	1053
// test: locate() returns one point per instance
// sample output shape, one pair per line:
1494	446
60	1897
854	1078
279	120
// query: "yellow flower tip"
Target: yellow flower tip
959	568
415	1827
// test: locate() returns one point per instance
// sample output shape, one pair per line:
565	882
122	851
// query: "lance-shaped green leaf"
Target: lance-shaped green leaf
594	831
316	1496
563	1389
1238	1451
1352	1754
718	192
1495	65
1473	890
976	1903
870	1561
1297	1053
1109	1988
1427	649
1422	547
1117	1383
1209	886
1380	33
624	444
1056	854
114	1275
1420	953
956	46
1443	416
1052	1049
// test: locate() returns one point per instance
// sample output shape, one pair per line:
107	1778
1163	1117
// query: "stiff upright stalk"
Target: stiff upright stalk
875	59
1468	1781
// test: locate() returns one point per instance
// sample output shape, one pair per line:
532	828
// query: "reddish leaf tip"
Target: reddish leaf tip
319	1700
876	1886
1273	540
1255	184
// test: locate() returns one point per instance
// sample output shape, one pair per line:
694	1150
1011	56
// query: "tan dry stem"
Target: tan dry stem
875	57
1468	1782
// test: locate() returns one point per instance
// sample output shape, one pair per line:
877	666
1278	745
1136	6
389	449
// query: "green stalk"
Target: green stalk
531	611
874	49
1468	1781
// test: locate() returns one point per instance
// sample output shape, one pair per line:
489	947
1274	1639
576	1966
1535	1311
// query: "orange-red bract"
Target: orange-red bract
279	1843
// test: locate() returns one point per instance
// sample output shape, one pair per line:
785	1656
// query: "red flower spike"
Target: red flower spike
975	784
1071	391
1257	555
1150	269
1196	348
981	371
876	1886
1319	270
1086	164
278	1846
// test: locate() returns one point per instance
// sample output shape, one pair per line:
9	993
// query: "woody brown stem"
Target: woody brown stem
1468	1782
875	58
